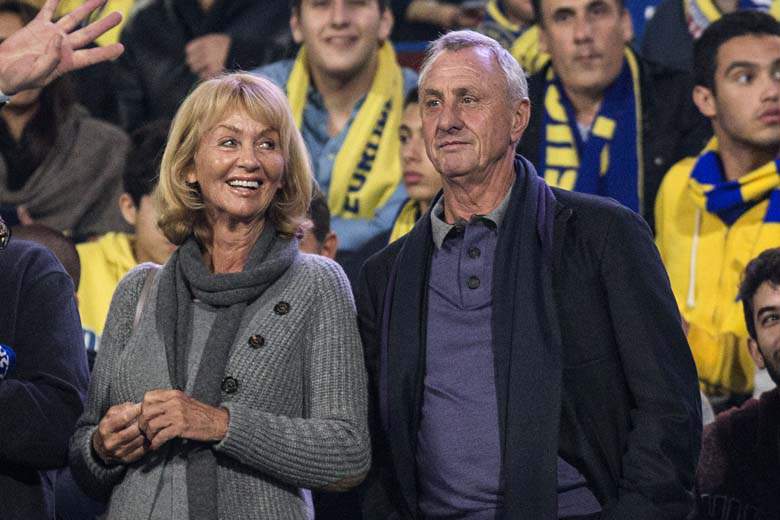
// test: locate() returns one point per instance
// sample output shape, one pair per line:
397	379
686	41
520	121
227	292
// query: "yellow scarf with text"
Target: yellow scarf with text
406	219
367	168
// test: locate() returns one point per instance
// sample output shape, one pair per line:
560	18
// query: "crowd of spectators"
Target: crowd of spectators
681	126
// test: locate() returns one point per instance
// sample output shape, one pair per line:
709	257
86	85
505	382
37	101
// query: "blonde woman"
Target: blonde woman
242	380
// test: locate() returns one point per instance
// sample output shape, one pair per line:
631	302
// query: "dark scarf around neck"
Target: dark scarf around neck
526	344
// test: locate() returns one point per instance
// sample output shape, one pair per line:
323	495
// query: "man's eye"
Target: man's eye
404	138
432	103
743	78
469	99
776	74
769	319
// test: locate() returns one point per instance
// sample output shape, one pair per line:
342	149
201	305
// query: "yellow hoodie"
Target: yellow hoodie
103	264
705	259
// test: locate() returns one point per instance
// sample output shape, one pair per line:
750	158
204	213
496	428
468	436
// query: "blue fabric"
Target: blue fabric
621	179
352	233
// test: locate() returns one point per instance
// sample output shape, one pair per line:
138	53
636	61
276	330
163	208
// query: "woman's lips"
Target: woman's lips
412	177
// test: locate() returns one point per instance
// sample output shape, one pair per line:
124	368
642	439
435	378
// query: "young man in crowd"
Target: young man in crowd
739	466
602	123
346	90
105	261
717	211
512	24
318	238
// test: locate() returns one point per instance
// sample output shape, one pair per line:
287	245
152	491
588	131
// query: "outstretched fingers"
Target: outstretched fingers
71	20
88	34
86	57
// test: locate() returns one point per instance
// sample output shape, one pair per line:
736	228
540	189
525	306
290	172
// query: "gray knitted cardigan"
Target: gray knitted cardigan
298	418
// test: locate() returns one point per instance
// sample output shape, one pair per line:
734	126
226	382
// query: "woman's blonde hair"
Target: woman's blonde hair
180	204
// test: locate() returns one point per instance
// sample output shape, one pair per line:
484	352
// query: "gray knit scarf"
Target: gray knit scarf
183	279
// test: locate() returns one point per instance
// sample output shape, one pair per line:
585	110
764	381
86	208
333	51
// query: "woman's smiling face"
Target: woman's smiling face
239	165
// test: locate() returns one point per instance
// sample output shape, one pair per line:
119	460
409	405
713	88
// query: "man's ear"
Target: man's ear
758	359
520	118
627	26
330	245
295	25
704	99
386	22
128	209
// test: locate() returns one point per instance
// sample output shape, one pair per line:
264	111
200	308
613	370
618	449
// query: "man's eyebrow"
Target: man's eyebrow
433	92
740	65
764	310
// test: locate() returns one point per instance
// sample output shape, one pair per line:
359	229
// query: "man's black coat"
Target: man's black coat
630	418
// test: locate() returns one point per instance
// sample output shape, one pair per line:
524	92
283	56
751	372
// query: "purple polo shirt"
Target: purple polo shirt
458	444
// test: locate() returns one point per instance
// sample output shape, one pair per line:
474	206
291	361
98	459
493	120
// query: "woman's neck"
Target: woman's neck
231	244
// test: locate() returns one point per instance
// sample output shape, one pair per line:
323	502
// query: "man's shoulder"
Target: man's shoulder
593	211
278	72
27	262
675	180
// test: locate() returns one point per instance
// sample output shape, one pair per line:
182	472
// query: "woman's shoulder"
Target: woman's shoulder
321	269
131	285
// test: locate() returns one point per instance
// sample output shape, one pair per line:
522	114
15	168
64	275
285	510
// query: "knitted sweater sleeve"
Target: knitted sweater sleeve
329	447
88	469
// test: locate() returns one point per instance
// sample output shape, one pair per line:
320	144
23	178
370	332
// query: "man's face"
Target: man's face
341	36
745	104
468	121
765	349
520	10
585	40
150	243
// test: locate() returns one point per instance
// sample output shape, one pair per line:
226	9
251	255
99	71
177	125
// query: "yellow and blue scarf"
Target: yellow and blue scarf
367	168
522	42
408	216
699	14
610	161
729	200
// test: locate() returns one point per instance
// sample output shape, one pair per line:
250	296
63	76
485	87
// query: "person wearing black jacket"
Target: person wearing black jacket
170	44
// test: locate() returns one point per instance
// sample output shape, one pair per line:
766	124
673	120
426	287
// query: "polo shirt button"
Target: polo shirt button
256	341
474	252
658	161
282	308
472	282
230	385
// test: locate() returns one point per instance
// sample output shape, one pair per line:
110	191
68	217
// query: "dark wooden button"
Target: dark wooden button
472	282
230	385
282	308
256	341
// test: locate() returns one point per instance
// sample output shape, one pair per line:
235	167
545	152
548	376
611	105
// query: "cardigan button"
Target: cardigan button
230	385
473	282
282	308
256	341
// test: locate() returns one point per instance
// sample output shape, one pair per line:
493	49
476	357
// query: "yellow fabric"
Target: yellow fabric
717	332
367	169
109	37
405	220
527	52
103	263
712	13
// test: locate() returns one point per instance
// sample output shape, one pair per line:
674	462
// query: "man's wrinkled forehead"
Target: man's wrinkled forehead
462	68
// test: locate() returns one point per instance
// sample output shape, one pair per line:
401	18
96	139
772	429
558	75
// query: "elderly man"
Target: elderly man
526	351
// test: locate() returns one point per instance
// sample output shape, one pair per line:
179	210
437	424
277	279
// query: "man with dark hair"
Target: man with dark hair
346	91
716	211
318	238
105	261
739	467
524	348
602	121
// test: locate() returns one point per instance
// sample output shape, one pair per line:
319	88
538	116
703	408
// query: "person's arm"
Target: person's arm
132	102
89	470
355	233
42	400
41	51
657	471
329	448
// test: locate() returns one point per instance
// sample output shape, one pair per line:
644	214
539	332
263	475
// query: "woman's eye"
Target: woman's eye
268	144
230	142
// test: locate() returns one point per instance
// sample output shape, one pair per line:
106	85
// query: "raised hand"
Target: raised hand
168	414
207	54
43	50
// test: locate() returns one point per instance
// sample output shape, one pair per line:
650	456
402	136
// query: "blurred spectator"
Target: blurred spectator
421	179
511	23
739	467
62	247
318	238
57	163
670	33
106	260
720	209
346	90
170	44
601	122
42	395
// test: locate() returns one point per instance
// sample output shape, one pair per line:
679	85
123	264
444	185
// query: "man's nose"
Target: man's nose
583	29
339	13
771	91
449	118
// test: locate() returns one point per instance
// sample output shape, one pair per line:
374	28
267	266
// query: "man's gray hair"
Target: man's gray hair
516	84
